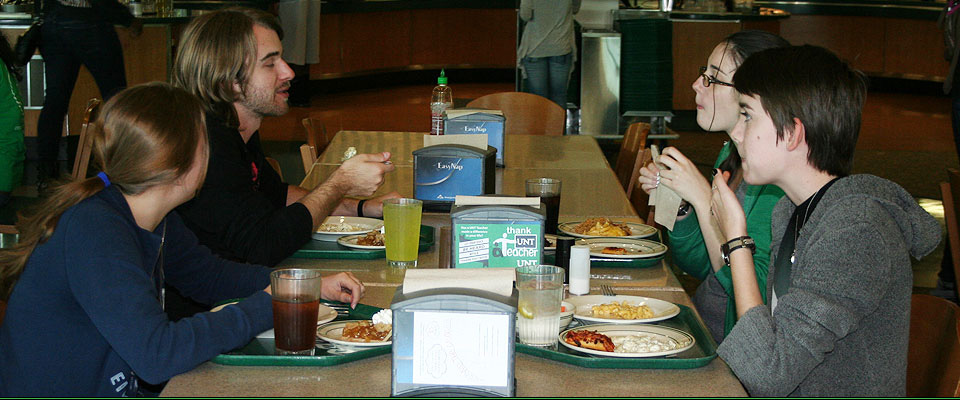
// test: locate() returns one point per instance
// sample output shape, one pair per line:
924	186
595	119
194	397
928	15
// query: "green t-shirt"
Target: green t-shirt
11	132
690	253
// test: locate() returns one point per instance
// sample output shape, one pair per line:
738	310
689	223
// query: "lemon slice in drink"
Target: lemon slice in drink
525	310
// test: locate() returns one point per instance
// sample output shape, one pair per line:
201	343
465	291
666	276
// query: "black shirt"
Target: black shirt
240	212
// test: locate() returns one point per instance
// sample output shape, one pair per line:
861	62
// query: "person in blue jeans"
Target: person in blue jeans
75	33
548	48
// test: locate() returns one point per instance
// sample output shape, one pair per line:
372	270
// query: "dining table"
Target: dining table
589	189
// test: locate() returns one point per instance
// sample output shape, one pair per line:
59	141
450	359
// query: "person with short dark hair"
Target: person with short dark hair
840	279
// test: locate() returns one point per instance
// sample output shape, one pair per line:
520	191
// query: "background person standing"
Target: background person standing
548	47
75	33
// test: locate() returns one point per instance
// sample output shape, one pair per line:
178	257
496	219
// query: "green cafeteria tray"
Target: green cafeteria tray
550	257
260	352
322	249
702	352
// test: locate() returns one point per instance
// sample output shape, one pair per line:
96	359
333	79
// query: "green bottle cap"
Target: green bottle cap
442	79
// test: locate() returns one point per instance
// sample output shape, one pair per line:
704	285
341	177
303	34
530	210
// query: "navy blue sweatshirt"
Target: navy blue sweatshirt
84	318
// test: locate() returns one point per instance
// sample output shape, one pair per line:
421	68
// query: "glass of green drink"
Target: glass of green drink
401	221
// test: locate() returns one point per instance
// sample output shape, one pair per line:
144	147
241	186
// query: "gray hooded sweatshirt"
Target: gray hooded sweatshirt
842	329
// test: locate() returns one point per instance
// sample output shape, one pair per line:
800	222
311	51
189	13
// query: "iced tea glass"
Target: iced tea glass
296	302
548	189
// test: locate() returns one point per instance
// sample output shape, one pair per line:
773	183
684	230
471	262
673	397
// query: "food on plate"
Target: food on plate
622	310
644	343
592	340
372	238
365	331
602	227
338	227
614	250
351	151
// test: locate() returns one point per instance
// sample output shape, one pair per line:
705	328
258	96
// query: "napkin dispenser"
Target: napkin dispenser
442	172
453	342
494	236
465	121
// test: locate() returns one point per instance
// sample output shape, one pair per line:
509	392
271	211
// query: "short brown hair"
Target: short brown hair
812	84
217	50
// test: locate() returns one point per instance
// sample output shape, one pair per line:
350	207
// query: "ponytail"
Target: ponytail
134	141
36	225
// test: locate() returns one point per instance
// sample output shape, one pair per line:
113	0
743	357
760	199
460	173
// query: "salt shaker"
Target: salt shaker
579	270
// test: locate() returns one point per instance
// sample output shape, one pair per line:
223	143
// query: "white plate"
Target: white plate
351	241
333	333
661	309
638	230
636	248
685	340
363	225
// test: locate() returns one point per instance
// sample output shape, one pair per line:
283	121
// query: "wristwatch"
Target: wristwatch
684	208
737	243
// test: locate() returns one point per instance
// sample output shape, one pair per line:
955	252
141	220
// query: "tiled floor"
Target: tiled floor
904	137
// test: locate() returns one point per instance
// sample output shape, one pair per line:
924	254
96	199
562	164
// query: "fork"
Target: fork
607	290
341	309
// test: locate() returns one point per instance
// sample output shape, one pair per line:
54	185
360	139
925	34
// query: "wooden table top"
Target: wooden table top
589	189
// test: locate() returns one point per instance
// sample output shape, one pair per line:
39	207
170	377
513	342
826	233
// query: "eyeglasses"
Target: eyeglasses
709	80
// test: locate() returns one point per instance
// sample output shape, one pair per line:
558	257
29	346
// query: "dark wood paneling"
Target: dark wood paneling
858	40
463	36
692	44
375	40
330	46
914	47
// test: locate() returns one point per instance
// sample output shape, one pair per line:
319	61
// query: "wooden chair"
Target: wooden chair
639	198
933	357
82	160
634	140
526	114
275	165
951	200
317	141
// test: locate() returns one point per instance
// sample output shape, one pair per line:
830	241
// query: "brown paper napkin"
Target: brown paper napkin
494	280
664	198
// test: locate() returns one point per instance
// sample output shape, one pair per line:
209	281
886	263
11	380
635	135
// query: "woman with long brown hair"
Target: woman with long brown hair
85	305
695	241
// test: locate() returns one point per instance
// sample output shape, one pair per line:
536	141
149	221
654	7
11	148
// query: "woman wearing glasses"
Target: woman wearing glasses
695	240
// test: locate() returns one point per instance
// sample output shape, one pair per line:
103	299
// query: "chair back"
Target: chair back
634	140
639	198
933	357
276	166
525	113
950	192
317	141
82	160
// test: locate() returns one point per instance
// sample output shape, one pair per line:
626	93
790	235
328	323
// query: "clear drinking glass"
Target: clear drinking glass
296	302
401	221
538	308
548	189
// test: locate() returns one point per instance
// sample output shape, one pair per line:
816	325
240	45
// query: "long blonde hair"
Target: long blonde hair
145	136
216	51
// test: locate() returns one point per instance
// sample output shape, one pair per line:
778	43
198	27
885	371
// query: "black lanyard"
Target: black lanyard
786	256
158	268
